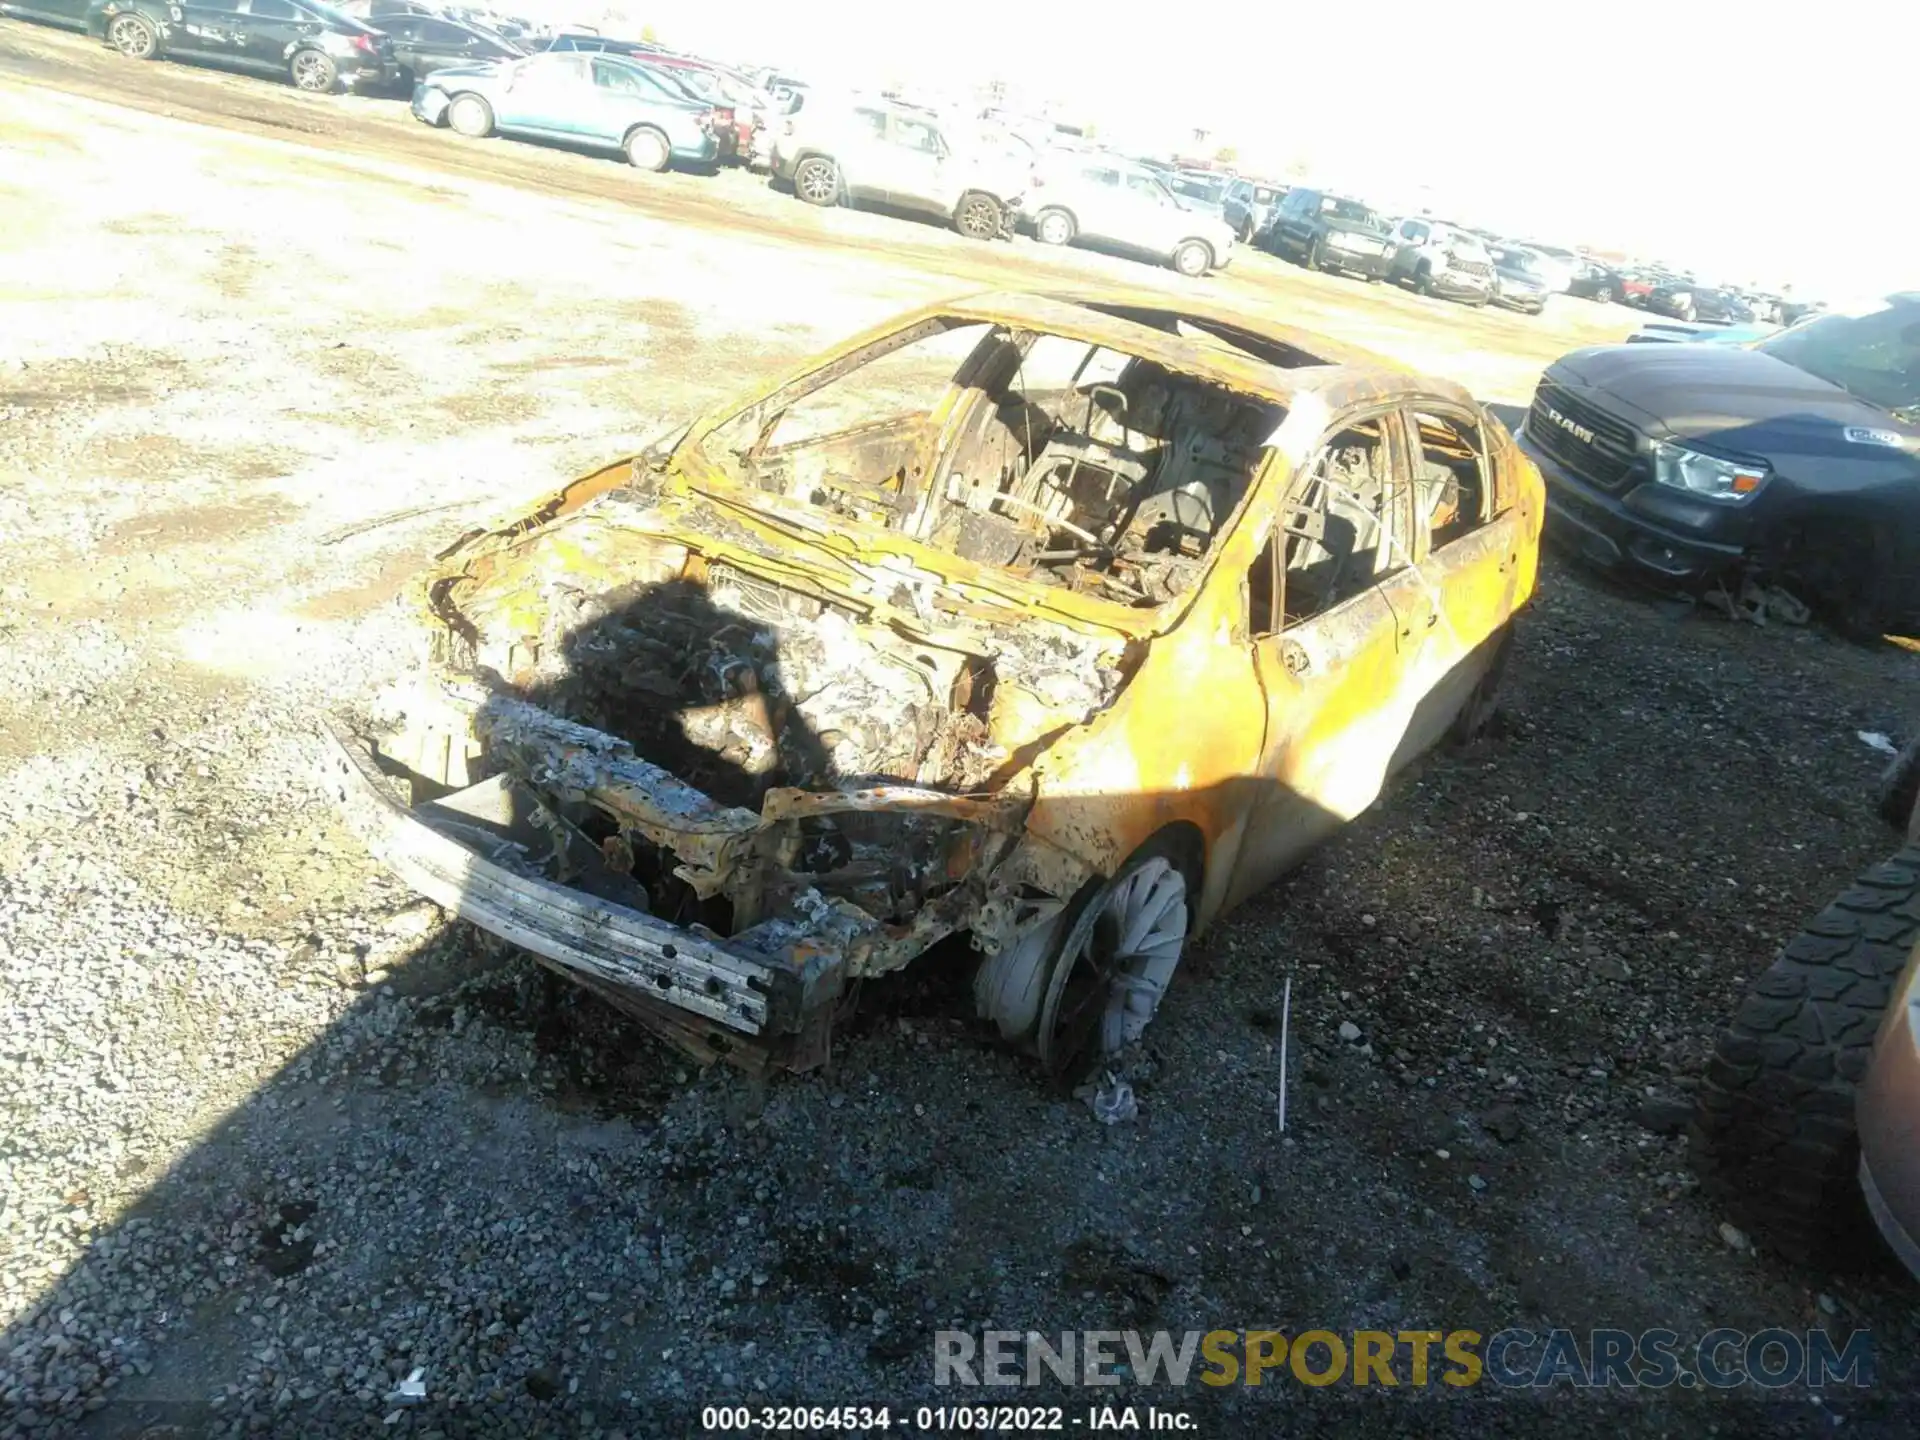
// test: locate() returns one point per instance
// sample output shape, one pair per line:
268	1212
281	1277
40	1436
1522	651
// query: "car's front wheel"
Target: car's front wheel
978	216
313	72
817	181
1774	1129
134	37
1193	257
1053	227
647	149
471	116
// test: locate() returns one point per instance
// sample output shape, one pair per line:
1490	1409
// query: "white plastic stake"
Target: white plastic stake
1286	1016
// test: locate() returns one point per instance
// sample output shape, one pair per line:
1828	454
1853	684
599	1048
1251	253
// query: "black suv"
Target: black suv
1324	231
314	46
1793	460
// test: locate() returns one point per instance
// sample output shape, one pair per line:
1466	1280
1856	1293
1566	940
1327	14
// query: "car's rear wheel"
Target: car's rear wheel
313	72
134	37
1483	702
1193	257
1774	1132
647	149
471	116
1053	227
978	216
817	181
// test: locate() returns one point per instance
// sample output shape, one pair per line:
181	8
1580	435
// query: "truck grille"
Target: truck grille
1559	423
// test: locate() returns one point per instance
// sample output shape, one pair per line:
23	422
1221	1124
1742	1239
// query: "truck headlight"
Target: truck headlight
1708	475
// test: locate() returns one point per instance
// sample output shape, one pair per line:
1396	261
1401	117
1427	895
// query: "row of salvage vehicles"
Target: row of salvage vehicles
899	656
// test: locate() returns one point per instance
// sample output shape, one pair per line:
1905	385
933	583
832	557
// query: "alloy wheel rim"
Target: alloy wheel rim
130	37
818	182
1112	987
306	72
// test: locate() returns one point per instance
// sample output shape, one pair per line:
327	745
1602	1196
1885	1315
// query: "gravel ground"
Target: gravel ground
276	1135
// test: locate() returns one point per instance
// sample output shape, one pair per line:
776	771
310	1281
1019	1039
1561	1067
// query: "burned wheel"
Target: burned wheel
1115	964
817	181
133	37
978	216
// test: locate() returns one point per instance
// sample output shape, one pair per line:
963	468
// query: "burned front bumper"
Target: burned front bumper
511	853
713	995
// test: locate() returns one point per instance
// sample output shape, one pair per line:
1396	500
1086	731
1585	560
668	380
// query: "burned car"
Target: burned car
1028	632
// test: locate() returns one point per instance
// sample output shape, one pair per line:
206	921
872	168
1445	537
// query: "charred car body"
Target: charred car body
906	648
1795	458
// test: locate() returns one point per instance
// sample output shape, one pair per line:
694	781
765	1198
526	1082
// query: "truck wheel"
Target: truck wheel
1773	1132
817	181
134	37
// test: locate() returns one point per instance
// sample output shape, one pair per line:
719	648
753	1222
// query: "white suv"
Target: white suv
897	155
1443	259
1107	198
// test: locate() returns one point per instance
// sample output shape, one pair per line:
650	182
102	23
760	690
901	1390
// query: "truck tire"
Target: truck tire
1773	1132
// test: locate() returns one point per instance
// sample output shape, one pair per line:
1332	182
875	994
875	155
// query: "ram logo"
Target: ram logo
1573	428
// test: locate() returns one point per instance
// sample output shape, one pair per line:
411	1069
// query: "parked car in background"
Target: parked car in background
751	106
315	47
1518	282
1249	206
71	14
1686	300
896	155
1555	265
603	102
423	44
1596	280
1056	624
594	43
1199	189
1437	257
1107	199
1325	231
1793	460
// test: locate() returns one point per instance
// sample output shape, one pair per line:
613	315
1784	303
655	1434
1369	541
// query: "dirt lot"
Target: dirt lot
275	1136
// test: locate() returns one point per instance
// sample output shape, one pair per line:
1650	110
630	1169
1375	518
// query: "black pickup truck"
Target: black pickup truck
1793	460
